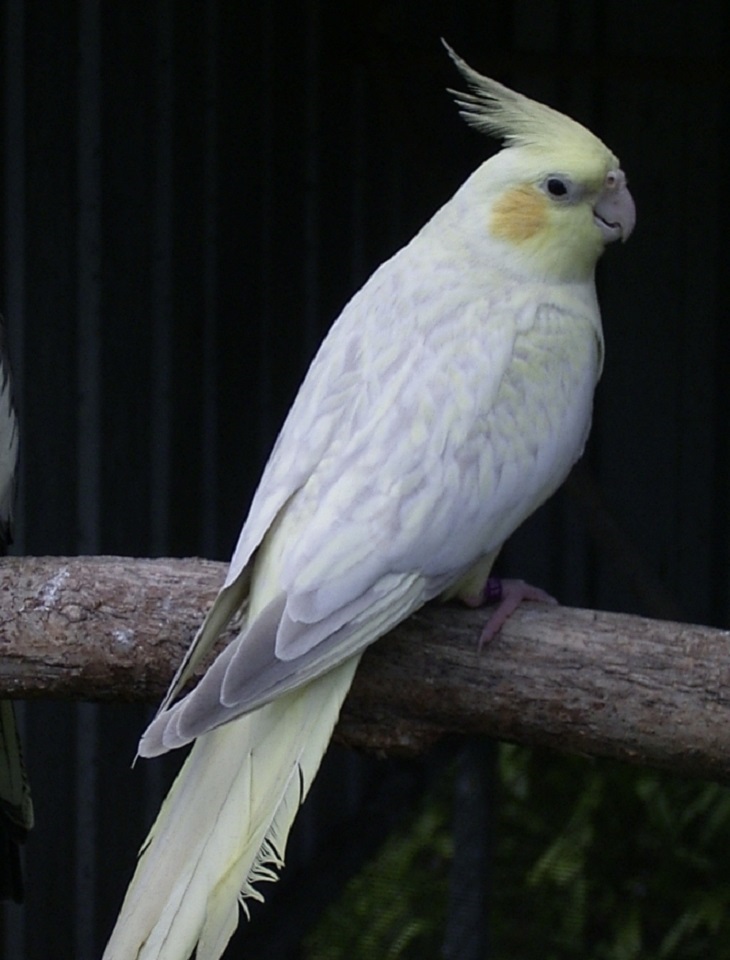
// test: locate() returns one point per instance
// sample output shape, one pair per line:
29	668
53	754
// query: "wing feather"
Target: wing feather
247	675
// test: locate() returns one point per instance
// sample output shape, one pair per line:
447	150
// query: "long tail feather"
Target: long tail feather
225	824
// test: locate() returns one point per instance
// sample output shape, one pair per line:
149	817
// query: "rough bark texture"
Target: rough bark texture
646	691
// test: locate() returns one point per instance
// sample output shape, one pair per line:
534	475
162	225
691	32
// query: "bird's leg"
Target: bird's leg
508	595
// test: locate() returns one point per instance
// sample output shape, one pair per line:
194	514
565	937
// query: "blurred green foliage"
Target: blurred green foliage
394	909
607	862
595	860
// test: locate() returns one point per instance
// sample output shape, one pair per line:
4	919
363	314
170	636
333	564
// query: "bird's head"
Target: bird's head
556	195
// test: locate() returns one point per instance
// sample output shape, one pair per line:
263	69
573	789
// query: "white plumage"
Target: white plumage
448	401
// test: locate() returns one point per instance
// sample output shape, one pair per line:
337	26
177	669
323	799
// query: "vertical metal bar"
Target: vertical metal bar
161	413
312	191
13	924
15	232
161	384
266	139
359	172
89	281
87	719
719	600
209	513
89	440
467	927
395	187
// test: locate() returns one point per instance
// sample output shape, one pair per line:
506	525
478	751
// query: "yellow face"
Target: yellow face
561	223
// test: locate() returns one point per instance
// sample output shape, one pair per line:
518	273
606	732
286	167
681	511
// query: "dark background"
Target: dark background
191	192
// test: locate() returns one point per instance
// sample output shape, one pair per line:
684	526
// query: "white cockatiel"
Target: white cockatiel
449	400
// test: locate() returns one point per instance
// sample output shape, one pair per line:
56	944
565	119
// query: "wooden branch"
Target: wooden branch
604	684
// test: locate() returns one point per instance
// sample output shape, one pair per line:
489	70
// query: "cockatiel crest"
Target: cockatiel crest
568	195
500	112
448	401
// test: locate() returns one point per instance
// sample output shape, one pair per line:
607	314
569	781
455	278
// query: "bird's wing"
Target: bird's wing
391	514
349	390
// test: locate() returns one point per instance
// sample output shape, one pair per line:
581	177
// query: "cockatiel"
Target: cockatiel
448	401
16	807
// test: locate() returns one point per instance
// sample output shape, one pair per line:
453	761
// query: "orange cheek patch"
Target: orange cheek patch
519	214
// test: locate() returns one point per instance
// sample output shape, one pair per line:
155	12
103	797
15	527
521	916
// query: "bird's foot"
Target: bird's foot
508	595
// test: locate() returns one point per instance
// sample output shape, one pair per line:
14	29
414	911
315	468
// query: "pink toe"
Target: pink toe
513	592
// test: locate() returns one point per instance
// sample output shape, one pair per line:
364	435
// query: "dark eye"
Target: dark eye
556	187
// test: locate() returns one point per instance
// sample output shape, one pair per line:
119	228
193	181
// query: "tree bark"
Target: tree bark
605	684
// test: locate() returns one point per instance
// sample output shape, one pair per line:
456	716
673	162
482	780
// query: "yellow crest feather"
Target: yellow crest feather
496	110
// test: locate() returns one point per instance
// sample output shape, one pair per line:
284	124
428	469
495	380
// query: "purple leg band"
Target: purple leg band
493	590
